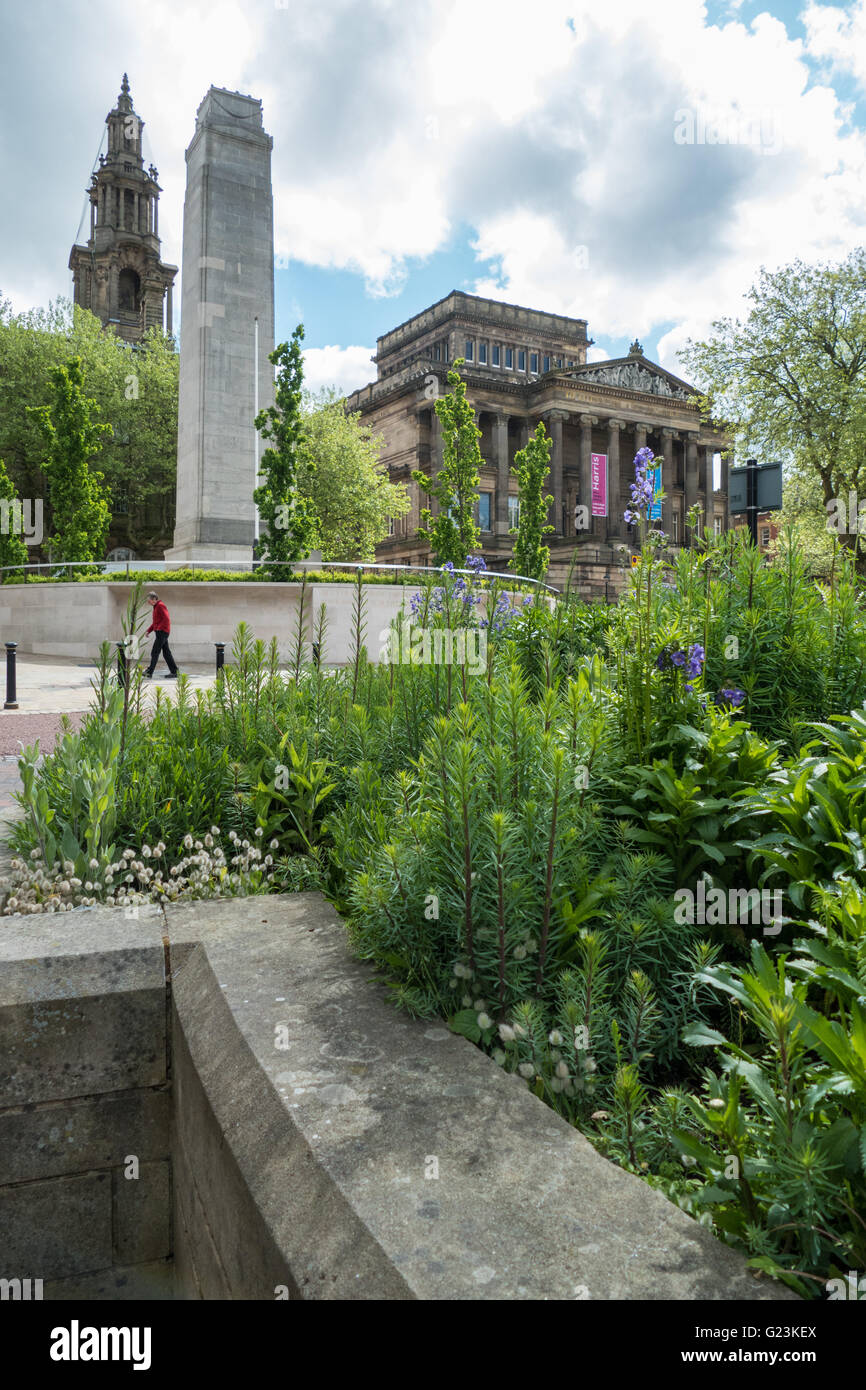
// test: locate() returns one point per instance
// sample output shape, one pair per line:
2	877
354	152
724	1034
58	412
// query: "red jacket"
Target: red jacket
161	620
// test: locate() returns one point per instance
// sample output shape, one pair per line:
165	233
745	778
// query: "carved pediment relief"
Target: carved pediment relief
633	376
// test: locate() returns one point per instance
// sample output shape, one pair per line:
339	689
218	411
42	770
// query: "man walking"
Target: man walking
161	626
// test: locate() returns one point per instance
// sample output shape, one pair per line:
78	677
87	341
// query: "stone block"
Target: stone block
74	1136
56	1228
148	1282
142	1214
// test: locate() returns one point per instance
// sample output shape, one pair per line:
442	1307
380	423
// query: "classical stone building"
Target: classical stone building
118	274
523	366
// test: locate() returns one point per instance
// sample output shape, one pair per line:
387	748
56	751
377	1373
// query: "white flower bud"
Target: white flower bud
526	1069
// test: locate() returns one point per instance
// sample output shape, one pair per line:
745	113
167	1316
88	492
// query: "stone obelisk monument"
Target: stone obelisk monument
227	324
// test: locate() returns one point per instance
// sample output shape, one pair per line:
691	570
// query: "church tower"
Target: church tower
118	275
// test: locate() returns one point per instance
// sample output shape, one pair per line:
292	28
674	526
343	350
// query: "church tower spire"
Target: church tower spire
118	275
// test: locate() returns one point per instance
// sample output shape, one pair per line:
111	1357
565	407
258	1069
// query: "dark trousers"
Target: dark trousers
160	644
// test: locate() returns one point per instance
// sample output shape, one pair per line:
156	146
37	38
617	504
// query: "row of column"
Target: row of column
146	214
698	476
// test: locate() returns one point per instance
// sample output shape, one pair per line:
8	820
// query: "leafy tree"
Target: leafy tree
135	389
13	550
791	377
342	478
453	534
80	511
532	465
291	525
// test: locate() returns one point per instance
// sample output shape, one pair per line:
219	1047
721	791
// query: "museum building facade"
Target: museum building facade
522	366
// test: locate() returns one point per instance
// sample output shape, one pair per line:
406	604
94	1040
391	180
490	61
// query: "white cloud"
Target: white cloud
346	368
838	37
549	133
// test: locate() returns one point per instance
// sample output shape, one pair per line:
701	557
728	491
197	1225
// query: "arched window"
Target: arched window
128	291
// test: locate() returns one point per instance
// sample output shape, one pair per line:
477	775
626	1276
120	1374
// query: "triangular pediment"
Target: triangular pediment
634	373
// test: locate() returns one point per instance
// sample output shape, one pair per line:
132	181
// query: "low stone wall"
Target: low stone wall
73	619
322	1145
85	1201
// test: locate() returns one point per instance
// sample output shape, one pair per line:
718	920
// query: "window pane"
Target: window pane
484	511
509	357
513	511
482	352
495	362
547	364
533	361
521	361
470	350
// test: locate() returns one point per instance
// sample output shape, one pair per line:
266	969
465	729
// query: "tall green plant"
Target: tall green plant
532	465
290	524
452	533
79	507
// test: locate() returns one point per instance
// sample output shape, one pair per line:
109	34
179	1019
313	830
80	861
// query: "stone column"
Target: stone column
500	445
169	312
668	437
555	420
615	522
709	490
227	223
691	478
585	474
435	458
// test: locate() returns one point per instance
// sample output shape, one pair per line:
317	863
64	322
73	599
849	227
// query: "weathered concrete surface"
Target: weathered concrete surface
228	284
83	1091
332	1134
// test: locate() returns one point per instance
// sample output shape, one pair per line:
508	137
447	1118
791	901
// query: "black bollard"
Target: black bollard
220	656
11	693
121	662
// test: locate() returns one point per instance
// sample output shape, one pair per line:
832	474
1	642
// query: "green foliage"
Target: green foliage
340	474
452	533
79	510
289	521
13	550
135	388
532	465
791	376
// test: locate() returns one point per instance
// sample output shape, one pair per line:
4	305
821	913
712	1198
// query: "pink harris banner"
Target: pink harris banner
598	483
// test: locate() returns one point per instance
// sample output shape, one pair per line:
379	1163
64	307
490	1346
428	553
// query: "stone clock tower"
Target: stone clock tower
118	275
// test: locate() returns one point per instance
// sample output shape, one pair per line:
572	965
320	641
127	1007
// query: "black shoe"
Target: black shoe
172	675
148	675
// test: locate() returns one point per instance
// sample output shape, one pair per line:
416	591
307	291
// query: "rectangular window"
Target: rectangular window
547	364
437	353
470	350
513	511
482	511
390	526
570	362
494	359
765	531
509	359
559	361
521	361
533	361
482	354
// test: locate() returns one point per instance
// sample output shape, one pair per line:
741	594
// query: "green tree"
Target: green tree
791	377
342	478
80	511
453	534
532	465
291	526
13	550
135	389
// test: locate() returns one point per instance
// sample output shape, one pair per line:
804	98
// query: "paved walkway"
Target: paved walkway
48	687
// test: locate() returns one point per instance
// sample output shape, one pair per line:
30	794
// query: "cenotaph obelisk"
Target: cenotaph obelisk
227	327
